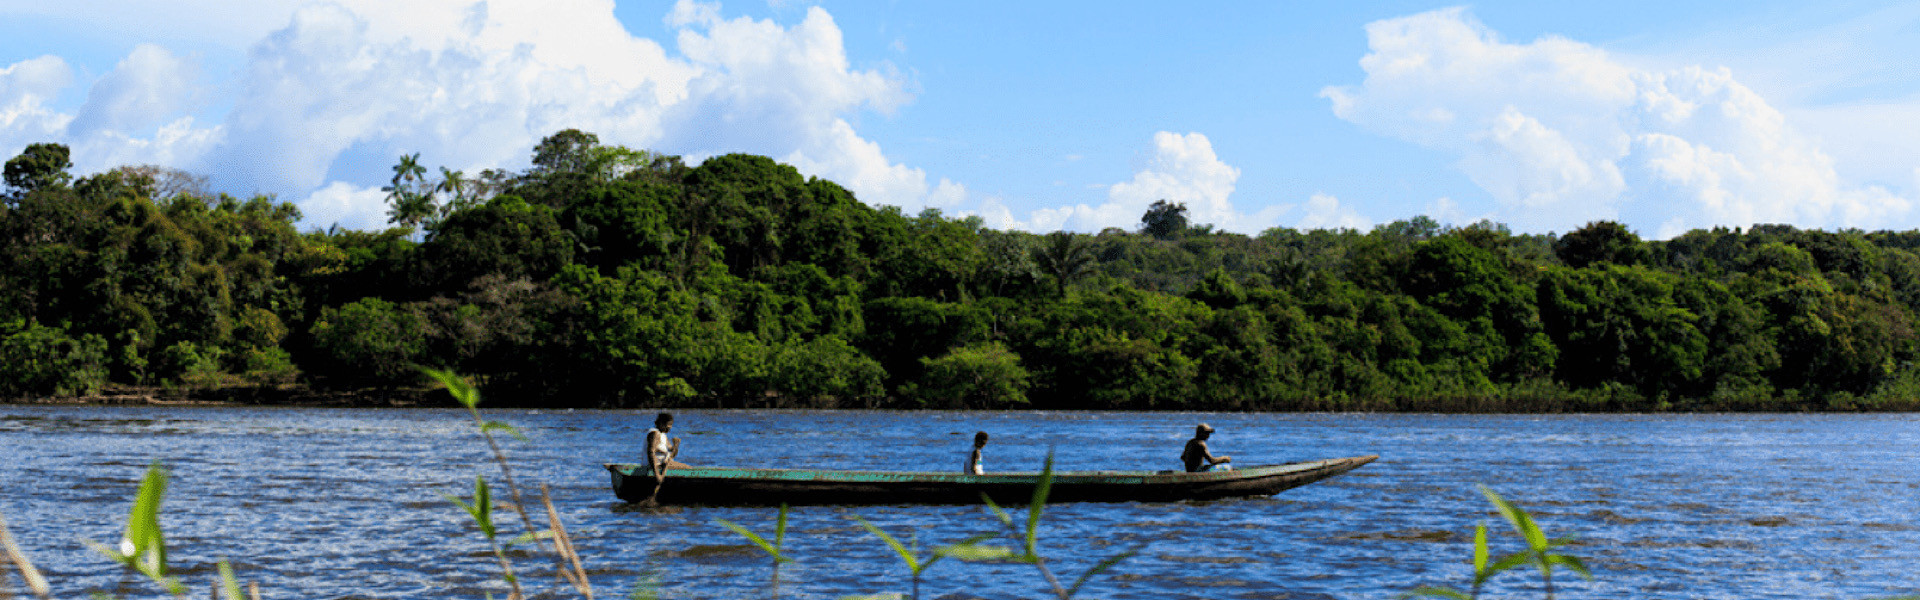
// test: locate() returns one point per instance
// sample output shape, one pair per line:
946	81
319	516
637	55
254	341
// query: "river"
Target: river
345	503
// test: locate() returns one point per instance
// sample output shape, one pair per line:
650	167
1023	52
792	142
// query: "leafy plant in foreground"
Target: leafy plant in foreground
1539	553
482	512
143	548
969	549
1029	538
775	549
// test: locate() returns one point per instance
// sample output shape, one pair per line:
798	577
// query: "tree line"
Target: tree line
608	276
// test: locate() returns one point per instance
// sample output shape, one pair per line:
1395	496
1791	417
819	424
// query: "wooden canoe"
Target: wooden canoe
766	487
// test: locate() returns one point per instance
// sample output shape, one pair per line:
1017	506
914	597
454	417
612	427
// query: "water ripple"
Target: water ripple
344	504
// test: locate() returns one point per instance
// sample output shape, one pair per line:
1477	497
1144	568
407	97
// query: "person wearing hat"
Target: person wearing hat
1197	457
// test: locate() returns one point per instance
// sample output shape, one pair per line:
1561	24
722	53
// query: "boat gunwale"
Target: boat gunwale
1019	477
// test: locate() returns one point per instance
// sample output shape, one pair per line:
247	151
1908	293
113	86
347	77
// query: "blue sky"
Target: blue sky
1668	116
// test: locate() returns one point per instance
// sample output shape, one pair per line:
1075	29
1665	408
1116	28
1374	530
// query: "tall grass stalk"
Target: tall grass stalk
35	582
775	549
575	573
482	512
566	562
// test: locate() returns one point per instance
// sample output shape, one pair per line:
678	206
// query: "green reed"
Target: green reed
776	549
143	547
1539	553
1029	537
969	549
1026	535
567	562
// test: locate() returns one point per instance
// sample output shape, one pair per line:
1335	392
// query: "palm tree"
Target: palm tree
1066	257
454	183
410	206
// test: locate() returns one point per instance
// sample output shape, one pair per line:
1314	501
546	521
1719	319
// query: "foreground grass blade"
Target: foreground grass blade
457	386
772	549
780	528
229	584
906	556
1037	505
1480	573
144	548
765	546
1521	521
1102	567
143	524
1435	592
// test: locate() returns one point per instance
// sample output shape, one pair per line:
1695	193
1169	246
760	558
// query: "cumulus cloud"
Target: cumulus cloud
1183	169
1560	133
783	92
328	98
469	85
148	86
1326	212
347	205
26	88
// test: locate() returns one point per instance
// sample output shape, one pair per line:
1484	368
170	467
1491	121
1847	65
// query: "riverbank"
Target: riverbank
275	395
1514	401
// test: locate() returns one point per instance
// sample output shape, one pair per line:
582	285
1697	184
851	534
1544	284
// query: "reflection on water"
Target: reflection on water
339	503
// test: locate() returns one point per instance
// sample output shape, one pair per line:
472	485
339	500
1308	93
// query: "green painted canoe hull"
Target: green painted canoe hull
766	487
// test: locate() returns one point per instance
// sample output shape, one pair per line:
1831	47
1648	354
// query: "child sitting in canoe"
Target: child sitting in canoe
973	459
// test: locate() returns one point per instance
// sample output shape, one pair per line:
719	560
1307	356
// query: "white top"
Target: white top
662	450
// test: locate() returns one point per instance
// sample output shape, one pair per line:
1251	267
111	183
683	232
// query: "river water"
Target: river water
340	503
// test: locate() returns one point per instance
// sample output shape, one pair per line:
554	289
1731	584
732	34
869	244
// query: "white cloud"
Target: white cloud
859	165
1561	133
1184	170
784	92
339	88
147	87
947	195
467	85
26	87
994	214
1326	212
1447	211
346	205
176	143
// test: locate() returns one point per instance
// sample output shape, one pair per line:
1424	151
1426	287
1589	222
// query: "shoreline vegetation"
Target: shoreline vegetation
610	277
302	396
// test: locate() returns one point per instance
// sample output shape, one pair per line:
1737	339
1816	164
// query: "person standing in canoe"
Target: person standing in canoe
973	459
661	451
1197	457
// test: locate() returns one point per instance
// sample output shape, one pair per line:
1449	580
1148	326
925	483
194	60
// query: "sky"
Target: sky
1543	116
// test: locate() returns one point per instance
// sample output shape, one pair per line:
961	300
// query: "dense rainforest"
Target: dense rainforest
604	276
